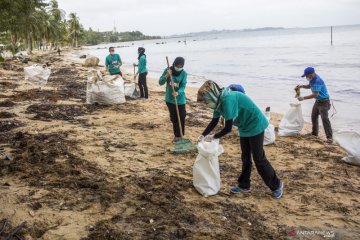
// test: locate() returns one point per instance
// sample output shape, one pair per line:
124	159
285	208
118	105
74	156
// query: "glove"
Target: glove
200	138
300	99
209	138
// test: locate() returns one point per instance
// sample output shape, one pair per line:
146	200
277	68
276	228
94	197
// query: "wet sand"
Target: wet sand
79	171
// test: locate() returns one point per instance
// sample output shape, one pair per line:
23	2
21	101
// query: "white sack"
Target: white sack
37	75
206	171
293	122
269	133
107	90
129	89
350	141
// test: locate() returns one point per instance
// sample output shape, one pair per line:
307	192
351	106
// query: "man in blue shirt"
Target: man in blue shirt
322	104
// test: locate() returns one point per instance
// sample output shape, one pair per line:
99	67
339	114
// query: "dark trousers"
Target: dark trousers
254	146
174	119
143	86
321	108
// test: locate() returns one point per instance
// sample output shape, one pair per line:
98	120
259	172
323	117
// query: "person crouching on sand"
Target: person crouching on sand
322	104
240	110
179	77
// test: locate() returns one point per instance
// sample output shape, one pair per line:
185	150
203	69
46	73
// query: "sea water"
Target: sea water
268	64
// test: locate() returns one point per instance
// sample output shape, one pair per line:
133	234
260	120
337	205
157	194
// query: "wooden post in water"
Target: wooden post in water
331	37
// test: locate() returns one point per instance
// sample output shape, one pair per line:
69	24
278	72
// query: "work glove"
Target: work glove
200	138
209	138
300	99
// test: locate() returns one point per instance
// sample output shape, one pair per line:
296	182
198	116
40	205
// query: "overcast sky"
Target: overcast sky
166	17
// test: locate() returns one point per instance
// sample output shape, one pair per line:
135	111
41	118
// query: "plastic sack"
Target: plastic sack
37	74
293	122
350	141
108	90
269	133
206	171
129	89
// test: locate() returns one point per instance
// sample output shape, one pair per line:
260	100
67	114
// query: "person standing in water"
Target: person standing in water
238	109
322	103
113	62
179	76
142	71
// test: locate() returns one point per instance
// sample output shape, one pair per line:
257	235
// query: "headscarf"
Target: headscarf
212	94
177	61
141	52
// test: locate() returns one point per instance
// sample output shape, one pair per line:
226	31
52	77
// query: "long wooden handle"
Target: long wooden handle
176	106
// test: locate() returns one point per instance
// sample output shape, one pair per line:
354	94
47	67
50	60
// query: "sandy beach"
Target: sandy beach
80	171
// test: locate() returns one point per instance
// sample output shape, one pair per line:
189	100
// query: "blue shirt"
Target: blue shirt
318	85
238	87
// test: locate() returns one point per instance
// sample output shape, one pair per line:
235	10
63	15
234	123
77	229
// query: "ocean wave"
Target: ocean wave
348	91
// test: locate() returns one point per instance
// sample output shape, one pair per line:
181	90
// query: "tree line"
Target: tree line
40	24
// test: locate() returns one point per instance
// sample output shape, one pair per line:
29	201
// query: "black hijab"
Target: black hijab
178	61
141	52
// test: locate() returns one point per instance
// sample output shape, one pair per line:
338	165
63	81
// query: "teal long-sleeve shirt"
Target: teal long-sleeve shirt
180	84
142	64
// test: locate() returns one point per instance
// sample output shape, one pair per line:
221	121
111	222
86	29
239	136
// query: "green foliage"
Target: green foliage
113	38
92	38
134	36
43	25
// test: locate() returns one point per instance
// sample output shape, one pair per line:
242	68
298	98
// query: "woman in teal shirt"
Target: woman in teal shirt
239	110
179	78
142	71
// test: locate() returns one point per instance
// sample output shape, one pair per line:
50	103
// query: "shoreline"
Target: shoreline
83	171
192	90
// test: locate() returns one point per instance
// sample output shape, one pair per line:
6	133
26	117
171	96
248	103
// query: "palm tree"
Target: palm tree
32	20
74	28
55	21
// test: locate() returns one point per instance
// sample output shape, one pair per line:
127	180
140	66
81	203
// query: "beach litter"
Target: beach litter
293	122
269	133
350	141
297	91
130	88
206	170
106	90
37	75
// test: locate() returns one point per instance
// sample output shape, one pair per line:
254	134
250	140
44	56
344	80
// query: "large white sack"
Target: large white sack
129	89
293	122
206	171
269	133
350	141
37	74
107	90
